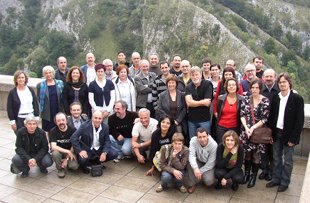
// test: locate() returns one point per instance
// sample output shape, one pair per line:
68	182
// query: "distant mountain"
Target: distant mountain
33	33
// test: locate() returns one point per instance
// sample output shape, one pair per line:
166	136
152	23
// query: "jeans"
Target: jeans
166	177
193	126
282	168
45	162
122	147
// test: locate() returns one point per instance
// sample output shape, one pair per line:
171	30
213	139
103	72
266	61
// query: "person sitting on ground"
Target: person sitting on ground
173	165
229	159
31	149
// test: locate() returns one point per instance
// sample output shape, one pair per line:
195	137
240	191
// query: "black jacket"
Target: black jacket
27	151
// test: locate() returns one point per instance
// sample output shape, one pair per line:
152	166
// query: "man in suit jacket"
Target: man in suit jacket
286	121
91	142
76	118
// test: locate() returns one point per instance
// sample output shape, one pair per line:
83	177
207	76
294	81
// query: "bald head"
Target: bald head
185	67
269	77
250	71
90	59
230	63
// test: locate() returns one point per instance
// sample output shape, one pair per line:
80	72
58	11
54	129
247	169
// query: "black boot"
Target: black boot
234	186
252	181
218	185
247	167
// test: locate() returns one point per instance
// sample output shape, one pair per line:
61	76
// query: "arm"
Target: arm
160	107
211	159
65	99
154	95
179	162
193	103
10	108
218	89
299	122
222	162
35	103
75	139
182	110
192	153
20	150
91	100
141	88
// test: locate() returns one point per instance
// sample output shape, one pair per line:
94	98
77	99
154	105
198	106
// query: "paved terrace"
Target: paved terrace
122	182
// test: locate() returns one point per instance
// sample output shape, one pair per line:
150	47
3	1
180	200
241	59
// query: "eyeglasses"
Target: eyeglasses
248	71
185	66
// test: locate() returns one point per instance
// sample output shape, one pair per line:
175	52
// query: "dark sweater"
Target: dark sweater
123	126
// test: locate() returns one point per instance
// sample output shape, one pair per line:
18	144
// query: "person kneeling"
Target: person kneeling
173	165
229	159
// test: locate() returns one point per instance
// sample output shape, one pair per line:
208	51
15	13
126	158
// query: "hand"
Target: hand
234	150
178	174
83	154
120	138
215	115
290	144
14	127
71	156
103	157
151	171
176	122
175	152
105	114
32	162
141	159
137	120
207	102
136	145
197	173
64	163
223	181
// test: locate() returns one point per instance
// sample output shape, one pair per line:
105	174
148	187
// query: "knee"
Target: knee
17	161
47	161
126	150
56	155
73	165
219	173
166	177
208	179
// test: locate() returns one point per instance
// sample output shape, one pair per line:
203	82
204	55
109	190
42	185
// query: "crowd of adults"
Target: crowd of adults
193	124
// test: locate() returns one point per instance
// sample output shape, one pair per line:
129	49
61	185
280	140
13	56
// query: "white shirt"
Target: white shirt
96	143
283	101
124	91
144	134
26	100
91	74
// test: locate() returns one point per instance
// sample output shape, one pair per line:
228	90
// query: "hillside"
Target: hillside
34	33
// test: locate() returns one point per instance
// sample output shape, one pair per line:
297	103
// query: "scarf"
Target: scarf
44	91
233	160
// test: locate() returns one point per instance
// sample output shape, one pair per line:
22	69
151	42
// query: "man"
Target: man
258	63
134	69
121	59
76	118
63	154
269	89
91	142
206	65
121	124
159	84
142	133
184	78
176	63
286	119
110	74
198	97
144	83
31	149
250	73
61	72
154	63
89	68
202	156
231	63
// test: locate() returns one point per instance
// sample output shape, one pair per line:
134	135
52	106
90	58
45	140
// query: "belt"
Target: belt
24	114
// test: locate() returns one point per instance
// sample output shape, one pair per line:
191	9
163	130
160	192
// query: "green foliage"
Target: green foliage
289	56
306	53
292	42
270	46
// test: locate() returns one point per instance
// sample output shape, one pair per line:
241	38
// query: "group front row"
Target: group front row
91	144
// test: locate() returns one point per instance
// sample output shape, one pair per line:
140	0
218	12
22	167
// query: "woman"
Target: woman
125	87
22	101
228	105
228	73
229	159
206	64
101	93
215	76
75	90
49	94
161	136
254	114
173	165
171	103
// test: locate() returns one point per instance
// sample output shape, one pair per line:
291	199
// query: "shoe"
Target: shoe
86	170
252	181
282	188
268	177
262	176
43	170
191	189
102	166
159	189
235	186
25	174
247	168
118	158
218	185
14	169
182	189
61	173
272	184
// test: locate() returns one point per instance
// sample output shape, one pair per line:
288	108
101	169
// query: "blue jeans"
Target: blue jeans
193	126
45	162
166	177
282	168
122	147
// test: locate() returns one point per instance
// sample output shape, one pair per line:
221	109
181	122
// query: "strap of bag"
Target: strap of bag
252	109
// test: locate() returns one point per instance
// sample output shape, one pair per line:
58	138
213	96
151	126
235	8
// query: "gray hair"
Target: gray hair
123	104
48	68
31	118
195	69
144	110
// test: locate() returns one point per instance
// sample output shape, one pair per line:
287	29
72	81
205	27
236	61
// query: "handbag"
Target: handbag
157	157
261	135
96	170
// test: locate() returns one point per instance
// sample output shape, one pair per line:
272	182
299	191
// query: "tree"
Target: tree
270	46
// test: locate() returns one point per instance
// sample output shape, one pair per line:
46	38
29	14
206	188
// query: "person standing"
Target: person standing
62	70
286	121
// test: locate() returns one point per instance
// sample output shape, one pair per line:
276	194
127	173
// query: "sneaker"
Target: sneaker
43	170
182	189
159	189
118	158
61	173
14	169
25	174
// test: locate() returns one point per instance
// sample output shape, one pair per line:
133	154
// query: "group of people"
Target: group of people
192	123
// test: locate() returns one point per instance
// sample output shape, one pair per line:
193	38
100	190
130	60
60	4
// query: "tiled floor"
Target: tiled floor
121	182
